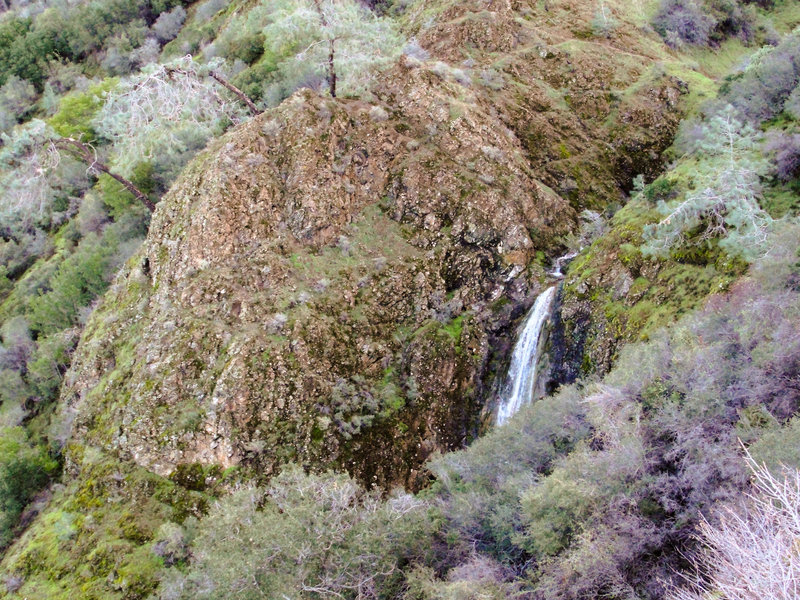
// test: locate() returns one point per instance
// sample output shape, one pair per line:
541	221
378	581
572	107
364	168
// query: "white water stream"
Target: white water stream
559	263
521	380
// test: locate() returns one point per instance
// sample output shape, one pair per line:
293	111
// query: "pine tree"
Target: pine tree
338	42
30	161
724	203
163	115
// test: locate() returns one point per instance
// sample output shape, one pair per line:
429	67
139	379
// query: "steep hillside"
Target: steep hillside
335	282
389	228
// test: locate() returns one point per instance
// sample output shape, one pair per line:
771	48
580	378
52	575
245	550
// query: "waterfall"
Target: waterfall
521	379
559	263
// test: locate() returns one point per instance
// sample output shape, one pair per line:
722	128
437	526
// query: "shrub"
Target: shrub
119	58
77	110
734	18
92	216
49	363
554	511
24	470
171	544
208	9
303	536
247	48
785	151
702	22
65	77
17	343
792	104
169	24
750	553
779	447
13	390
147	53
254	80
761	91
80	279
683	21
603	22
20	252
17	98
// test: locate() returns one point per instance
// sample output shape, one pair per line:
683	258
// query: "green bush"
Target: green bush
81	278
248	48
49	363
554	511
77	110
703	22
24	470
303	536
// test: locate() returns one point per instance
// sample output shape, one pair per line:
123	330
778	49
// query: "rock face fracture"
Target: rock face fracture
521	381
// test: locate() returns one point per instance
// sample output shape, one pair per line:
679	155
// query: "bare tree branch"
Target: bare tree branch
87	154
236	92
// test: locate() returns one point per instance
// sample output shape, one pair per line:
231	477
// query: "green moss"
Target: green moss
93	539
782	200
498	304
660	290
191	476
454	329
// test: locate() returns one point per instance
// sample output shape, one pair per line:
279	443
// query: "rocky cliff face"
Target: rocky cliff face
336	282
324	283
316	277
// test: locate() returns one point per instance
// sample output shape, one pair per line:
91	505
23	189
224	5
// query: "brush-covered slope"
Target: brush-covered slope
335	282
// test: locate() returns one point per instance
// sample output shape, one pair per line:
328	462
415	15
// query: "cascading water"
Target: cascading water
559	263
521	380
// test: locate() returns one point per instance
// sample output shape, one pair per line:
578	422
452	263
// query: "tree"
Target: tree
339	42
166	113
752	552
24	470
88	154
603	22
159	118
724	202
169	24
17	98
683	21
31	158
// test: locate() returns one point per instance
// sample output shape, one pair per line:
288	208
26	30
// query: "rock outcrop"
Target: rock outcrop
317	288
335	282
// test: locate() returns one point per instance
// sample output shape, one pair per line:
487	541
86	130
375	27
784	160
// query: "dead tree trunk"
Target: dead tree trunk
87	154
216	76
331	69
331	49
236	92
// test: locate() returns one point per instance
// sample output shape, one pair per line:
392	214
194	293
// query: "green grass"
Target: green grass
85	540
661	291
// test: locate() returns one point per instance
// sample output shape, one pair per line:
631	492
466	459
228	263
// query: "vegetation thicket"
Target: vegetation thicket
627	483
596	491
